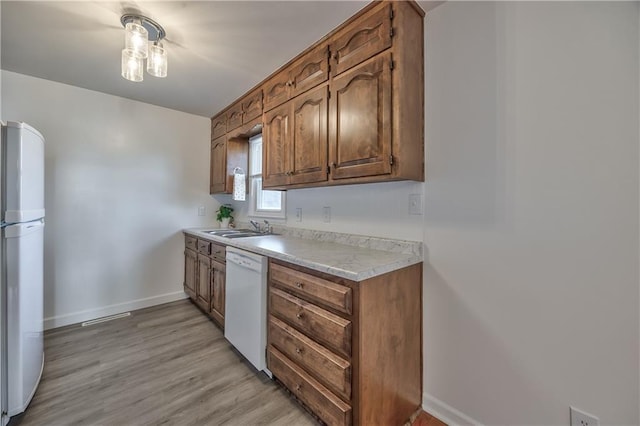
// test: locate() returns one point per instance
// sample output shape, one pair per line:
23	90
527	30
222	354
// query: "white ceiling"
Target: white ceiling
217	49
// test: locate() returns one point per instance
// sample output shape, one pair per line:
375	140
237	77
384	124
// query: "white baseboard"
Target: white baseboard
445	412
90	314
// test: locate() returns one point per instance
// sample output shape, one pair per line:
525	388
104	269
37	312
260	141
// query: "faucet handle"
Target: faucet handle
267	227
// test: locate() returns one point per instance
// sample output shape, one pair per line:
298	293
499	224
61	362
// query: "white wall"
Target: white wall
531	291
122	179
385	207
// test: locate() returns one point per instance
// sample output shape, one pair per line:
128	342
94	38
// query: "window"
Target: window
263	202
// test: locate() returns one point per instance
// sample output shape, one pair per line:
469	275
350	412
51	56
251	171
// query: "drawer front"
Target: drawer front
328	368
317	323
234	117
314	288
361	40
191	242
319	399
218	251
204	247
252	107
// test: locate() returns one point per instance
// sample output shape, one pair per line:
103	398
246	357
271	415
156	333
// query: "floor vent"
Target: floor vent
105	319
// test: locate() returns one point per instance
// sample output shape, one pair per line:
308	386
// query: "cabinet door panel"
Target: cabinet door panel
309	137
276	90
202	288
310	70
234	117
361	40
218	126
190	272
252	107
218	278
218	165
361	120
276	136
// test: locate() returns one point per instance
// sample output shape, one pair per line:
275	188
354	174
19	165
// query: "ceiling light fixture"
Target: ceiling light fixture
139	32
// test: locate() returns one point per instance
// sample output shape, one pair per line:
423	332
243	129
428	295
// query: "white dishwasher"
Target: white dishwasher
245	321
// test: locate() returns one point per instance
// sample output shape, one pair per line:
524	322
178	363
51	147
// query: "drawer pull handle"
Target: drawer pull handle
300	315
299	284
299	351
298	388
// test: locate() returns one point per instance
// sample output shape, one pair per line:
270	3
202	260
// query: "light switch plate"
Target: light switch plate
202	211
415	204
326	214
298	214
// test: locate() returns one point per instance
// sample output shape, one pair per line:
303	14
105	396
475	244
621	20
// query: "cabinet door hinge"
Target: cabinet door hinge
329	95
391	159
328	51
391	33
391	13
328	169
392	64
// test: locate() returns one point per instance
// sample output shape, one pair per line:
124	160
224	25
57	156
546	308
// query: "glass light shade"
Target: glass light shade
157	62
132	65
136	38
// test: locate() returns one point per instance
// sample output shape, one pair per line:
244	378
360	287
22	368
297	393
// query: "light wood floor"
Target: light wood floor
167	364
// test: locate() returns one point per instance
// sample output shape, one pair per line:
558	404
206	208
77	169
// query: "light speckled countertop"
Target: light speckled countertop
348	256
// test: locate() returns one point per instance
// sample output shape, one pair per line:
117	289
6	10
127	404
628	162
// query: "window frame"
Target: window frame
255	182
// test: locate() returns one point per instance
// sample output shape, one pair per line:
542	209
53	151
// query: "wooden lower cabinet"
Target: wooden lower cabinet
190	272
218	278
204	276
350	351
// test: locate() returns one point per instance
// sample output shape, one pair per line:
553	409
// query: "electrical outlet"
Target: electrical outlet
415	204
326	214
298	214
202	211
580	418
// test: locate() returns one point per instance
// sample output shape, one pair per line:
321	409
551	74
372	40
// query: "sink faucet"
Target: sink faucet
255	225
267	227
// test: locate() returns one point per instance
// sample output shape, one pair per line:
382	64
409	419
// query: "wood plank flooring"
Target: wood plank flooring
167	365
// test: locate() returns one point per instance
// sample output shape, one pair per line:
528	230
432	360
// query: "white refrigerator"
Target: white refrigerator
21	267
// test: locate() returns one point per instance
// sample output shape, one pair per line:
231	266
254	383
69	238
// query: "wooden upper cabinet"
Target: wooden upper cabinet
277	90
310	70
218	167
305	73
294	141
276	135
309	137
234	117
218	126
362	39
360	132
353	102
252	106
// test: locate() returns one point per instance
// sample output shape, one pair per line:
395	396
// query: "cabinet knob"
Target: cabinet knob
299	284
300	315
299	351
298	388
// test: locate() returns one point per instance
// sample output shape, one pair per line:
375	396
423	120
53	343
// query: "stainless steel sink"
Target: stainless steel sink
235	233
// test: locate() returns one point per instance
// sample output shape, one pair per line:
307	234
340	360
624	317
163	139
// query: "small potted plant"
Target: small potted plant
224	215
